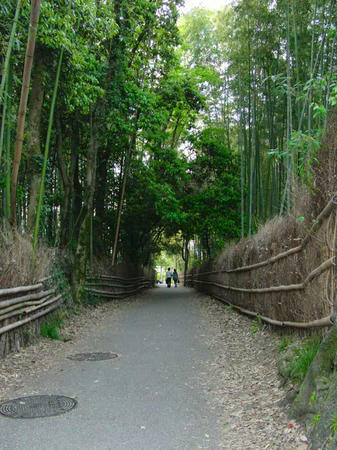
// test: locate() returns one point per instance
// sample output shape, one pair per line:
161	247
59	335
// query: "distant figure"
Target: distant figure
168	277
175	277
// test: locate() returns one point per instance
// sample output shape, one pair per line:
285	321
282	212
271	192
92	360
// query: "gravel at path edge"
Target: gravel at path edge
244	384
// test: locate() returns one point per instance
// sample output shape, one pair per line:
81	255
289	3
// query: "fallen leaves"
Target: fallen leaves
241	382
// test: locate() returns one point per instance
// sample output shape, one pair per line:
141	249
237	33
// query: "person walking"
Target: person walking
168	277
175	277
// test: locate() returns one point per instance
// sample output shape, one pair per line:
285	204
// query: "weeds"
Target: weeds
316	419
50	327
258	324
303	358
284	344
59	281
313	397
333	425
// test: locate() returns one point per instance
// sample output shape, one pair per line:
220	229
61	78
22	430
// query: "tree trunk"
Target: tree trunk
102	172
125	175
8	148
185	255
83	243
45	158
67	175
34	20
33	136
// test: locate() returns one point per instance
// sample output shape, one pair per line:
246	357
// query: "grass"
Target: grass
333	425
50	327
285	342
303	358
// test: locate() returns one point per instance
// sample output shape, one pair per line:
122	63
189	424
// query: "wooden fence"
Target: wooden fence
20	309
117	287
310	300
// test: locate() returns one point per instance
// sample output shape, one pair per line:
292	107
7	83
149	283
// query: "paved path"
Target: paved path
149	398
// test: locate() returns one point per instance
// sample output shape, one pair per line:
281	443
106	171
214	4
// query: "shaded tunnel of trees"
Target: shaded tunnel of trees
126	129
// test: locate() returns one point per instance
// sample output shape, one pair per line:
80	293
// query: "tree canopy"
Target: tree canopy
198	127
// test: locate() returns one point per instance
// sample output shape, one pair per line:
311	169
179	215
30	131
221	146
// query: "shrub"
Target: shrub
50	327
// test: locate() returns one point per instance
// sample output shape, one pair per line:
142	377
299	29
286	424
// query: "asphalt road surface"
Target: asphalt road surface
149	398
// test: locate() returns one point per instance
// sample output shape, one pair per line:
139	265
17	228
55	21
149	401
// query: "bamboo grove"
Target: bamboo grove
123	124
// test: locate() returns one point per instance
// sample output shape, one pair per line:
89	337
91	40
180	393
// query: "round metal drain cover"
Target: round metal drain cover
37	406
98	356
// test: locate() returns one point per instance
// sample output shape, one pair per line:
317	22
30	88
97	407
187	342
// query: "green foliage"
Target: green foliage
258	325
313	397
209	124
333	424
316	419
303	358
91	299
284	343
50	327
59	282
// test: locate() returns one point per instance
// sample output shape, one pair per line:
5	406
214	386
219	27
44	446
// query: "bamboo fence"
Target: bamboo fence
116	287
308	302
22	306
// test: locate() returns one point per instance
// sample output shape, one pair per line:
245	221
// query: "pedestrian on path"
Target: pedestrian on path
175	277
168	277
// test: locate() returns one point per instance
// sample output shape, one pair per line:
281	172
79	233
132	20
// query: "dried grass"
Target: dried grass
325	168
16	252
281	234
277	235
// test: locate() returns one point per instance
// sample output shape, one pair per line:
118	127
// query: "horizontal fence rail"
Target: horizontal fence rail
22	309
23	306
116	287
229	285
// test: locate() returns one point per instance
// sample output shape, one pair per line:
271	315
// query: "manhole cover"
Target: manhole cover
98	356
37	406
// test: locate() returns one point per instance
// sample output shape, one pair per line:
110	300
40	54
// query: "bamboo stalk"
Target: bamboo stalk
111	285
108	277
9	50
45	159
20	323
290	287
29	308
34	20
14	301
97	291
16	306
16	290
325	322
3	122
8	146
116	296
